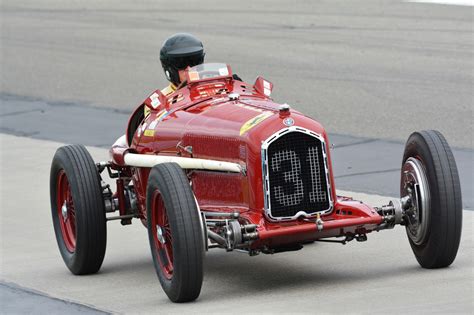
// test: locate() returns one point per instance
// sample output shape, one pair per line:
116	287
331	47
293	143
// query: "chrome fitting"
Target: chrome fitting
319	222
392	213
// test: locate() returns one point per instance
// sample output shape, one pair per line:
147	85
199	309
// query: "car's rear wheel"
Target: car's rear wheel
434	219
175	232
77	209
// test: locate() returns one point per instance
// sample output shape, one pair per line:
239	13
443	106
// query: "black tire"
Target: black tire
439	246
80	229
171	208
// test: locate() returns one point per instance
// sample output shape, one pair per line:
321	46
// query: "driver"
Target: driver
178	52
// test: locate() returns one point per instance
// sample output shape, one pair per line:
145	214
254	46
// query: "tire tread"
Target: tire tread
446	203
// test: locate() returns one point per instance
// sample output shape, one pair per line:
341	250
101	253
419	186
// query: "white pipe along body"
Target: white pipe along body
145	160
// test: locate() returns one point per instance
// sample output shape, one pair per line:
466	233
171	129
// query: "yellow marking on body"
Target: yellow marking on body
160	114
149	133
147	111
168	90
253	122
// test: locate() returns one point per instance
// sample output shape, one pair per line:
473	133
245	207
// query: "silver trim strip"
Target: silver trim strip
150	160
265	172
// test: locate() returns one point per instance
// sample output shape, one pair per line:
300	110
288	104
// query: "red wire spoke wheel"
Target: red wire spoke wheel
175	232
66	212
77	208
162	235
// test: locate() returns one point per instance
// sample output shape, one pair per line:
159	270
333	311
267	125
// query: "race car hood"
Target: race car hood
230	130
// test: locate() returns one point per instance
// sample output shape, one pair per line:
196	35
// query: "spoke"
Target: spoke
160	221
170	257
168	236
69	231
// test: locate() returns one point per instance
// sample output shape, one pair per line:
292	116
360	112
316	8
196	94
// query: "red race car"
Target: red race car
218	164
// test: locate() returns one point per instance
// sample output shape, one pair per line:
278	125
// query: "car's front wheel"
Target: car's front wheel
175	232
430	178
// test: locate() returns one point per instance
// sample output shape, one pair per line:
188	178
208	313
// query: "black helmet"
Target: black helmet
179	52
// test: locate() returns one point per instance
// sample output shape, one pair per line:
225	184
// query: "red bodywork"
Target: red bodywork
203	117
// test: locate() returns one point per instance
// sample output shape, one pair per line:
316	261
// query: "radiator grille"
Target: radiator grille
295	175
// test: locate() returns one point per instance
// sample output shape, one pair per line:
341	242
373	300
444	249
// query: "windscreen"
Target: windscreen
208	71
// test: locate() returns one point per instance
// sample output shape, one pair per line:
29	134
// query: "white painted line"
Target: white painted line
447	2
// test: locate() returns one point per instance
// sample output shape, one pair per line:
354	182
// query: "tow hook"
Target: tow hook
319	222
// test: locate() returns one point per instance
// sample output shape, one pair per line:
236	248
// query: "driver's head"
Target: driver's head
180	51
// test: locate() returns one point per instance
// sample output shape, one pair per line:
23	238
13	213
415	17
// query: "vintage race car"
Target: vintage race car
218	164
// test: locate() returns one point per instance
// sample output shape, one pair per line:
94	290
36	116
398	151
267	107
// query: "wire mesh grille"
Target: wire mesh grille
297	175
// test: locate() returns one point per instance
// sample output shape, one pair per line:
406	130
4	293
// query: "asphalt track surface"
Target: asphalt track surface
377	69
377	276
70	72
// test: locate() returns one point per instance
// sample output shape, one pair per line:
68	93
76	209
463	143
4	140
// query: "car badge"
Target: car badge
289	122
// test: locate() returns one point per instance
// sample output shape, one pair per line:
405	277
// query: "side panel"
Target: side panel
227	191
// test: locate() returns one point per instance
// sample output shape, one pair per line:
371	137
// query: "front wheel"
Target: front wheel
175	232
430	178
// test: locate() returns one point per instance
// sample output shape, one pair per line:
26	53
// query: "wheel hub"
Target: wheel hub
415	185
64	211
160	234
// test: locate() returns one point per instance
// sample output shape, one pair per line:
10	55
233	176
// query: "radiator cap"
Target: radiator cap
284	110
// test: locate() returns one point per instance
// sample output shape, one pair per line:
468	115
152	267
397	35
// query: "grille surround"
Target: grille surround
327	205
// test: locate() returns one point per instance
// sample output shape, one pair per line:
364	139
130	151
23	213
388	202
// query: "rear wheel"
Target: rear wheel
434	219
175	232
77	208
